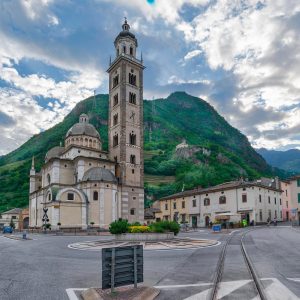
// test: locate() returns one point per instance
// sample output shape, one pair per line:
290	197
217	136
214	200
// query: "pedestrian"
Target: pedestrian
275	221
268	221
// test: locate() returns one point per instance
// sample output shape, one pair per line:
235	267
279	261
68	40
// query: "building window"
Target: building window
131	51
132	159
286	192
206	201
95	195
116	99
298	197
269	199
222	200
275	201
287	204
49	197
14	217
124	49
260	215
48	178
132	139
280	201
174	205
115	140
183	204
298	182
270	215
132	171
132	79
244	189
183	218
275	213
115	81
280	214
132	211
244	198
70	196
194	203
260	198
166	206
115	119
132	98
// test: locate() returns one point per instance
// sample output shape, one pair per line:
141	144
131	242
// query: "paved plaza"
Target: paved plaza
47	268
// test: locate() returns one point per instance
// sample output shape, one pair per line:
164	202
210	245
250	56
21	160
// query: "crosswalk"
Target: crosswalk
274	290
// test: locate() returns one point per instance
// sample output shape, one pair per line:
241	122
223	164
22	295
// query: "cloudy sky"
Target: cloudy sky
243	57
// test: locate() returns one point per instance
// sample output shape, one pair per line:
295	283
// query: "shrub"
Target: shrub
119	227
165	226
139	229
136	224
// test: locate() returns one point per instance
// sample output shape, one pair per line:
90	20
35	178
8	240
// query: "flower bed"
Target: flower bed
146	236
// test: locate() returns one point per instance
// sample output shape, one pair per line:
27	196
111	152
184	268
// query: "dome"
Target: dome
99	174
83	128
126	33
54	152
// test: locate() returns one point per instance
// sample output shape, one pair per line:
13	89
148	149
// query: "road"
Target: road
44	268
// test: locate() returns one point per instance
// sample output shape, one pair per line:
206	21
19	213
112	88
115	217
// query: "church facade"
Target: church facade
80	184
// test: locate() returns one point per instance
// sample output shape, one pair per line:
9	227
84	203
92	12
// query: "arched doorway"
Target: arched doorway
26	223
207	221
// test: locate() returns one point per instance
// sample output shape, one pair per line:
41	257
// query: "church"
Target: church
80	184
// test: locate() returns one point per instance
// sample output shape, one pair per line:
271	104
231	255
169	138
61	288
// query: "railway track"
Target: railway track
235	238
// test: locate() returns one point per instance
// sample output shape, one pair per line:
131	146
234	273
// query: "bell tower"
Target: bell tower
125	128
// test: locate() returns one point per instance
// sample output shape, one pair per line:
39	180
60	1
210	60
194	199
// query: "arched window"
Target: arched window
115	119
132	159
118	52
115	140
131	51
132	98
222	200
95	195
206	201
116	99
49	196
48	178
132	139
90	143
124	49
132	79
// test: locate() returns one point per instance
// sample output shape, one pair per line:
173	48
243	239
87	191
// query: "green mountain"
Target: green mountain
217	152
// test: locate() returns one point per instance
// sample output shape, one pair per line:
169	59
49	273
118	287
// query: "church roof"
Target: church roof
99	174
83	129
54	152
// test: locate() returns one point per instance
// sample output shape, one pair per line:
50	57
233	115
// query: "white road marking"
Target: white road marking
294	279
277	289
169	287
201	296
227	287
71	293
233	231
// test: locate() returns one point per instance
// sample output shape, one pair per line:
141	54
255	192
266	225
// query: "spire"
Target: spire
125	26
32	163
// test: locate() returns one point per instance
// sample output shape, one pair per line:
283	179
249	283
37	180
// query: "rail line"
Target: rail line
220	267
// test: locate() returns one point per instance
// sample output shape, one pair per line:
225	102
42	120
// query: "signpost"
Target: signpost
122	266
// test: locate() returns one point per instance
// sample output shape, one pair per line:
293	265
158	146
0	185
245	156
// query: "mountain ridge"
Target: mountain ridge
166	123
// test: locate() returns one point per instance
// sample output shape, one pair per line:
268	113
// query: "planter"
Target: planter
143	237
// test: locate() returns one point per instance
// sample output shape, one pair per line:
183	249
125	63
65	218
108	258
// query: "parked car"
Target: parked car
7	229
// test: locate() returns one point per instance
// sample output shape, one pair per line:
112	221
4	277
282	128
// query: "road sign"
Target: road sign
122	266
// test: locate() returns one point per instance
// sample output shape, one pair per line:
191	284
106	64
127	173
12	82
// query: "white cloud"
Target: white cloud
28	116
192	54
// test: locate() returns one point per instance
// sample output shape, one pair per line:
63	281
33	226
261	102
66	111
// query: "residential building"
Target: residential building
254	201
294	189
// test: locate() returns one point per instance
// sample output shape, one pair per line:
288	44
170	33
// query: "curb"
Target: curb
148	293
